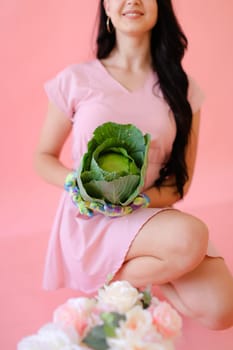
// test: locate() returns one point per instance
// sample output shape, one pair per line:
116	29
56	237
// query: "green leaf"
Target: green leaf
109	330
87	176
111	322
146	299
126	134
96	338
112	318
111	145
116	191
116	162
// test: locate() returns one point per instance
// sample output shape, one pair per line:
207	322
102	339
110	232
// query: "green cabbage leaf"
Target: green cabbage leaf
114	166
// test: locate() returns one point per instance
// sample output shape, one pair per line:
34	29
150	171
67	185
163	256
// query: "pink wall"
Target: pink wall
209	28
39	38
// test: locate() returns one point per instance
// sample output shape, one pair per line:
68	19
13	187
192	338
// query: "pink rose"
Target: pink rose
166	319
76	313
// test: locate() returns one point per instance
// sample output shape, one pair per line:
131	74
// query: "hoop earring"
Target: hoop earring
109	29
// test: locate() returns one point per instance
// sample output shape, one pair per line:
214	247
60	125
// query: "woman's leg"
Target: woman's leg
169	245
206	293
170	251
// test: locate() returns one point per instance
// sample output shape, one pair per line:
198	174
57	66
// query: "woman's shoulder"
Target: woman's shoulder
77	74
69	85
80	69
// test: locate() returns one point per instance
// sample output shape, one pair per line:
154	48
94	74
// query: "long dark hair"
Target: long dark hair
168	45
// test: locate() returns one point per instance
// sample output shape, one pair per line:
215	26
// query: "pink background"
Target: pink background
37	40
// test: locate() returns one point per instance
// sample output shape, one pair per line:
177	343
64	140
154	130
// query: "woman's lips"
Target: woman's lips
132	13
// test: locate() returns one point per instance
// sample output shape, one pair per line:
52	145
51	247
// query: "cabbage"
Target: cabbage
113	168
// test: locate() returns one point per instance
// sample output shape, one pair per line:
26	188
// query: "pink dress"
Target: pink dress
83	251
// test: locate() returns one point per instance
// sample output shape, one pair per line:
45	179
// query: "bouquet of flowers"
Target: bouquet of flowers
120	317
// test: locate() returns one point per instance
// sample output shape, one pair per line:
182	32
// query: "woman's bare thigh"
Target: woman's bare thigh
170	231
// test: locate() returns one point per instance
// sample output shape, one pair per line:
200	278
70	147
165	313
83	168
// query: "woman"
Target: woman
137	78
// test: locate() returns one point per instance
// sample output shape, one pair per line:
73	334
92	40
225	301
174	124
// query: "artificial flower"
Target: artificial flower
120	317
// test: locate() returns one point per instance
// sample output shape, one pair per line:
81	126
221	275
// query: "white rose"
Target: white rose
119	295
31	343
132	341
49	337
58	336
133	344
82	302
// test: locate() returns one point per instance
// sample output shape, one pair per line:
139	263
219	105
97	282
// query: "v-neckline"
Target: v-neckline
120	85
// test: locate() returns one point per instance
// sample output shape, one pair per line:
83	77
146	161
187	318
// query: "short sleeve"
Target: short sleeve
60	91
196	96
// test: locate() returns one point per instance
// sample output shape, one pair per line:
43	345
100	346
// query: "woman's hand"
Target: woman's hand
107	209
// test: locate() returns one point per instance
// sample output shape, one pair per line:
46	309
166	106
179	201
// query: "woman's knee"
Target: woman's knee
192	240
174	237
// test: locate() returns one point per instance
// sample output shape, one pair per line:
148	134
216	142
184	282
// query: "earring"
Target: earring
109	29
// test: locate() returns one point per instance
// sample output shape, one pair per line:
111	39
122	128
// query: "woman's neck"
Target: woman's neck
131	53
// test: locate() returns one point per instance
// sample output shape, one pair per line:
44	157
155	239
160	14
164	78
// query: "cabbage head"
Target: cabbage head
113	168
